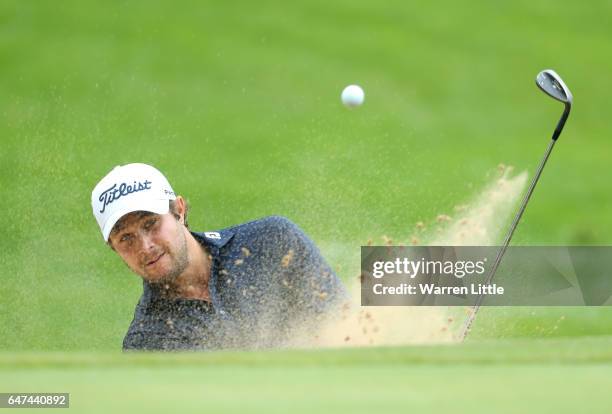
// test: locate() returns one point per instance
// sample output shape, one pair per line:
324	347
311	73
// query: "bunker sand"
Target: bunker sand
480	222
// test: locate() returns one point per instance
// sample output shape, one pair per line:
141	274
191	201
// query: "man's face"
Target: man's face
152	245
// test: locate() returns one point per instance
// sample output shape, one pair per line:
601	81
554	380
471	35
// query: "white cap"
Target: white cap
129	188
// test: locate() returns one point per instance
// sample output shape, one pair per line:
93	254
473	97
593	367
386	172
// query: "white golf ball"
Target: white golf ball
352	96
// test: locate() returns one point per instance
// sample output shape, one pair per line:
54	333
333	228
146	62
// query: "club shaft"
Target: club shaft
517	218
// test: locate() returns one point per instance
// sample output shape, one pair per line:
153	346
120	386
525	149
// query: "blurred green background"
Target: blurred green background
238	104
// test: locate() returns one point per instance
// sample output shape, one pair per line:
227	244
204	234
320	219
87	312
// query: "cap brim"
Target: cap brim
153	206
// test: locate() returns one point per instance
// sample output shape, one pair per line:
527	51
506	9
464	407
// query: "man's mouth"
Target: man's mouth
152	262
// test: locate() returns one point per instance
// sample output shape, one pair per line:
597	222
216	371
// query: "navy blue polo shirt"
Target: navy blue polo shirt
268	284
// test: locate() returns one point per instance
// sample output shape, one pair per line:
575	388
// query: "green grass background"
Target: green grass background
238	104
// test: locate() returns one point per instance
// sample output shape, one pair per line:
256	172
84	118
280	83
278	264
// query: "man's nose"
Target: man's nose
146	243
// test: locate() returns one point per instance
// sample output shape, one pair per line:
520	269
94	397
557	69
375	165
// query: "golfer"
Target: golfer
256	285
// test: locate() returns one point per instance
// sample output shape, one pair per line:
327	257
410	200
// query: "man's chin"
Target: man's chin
164	270
157	277
157	272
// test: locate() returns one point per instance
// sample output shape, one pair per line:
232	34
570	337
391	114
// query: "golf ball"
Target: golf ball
352	96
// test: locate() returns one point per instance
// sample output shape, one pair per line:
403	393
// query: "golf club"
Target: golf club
552	84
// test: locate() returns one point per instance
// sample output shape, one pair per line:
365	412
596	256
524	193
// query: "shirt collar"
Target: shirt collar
217	238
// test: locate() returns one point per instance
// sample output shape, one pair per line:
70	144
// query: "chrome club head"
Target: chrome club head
550	82
553	86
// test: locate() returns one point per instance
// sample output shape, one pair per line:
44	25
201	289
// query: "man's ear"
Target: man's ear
179	209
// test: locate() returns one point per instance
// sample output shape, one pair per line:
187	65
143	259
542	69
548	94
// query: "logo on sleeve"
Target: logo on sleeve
212	235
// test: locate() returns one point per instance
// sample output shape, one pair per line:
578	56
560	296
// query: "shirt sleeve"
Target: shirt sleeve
315	292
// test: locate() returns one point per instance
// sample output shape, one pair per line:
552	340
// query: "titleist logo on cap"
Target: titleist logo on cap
113	193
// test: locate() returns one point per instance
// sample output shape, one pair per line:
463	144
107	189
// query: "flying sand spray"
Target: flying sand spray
476	224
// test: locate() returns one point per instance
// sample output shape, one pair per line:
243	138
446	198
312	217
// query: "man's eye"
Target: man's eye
150	223
126	237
